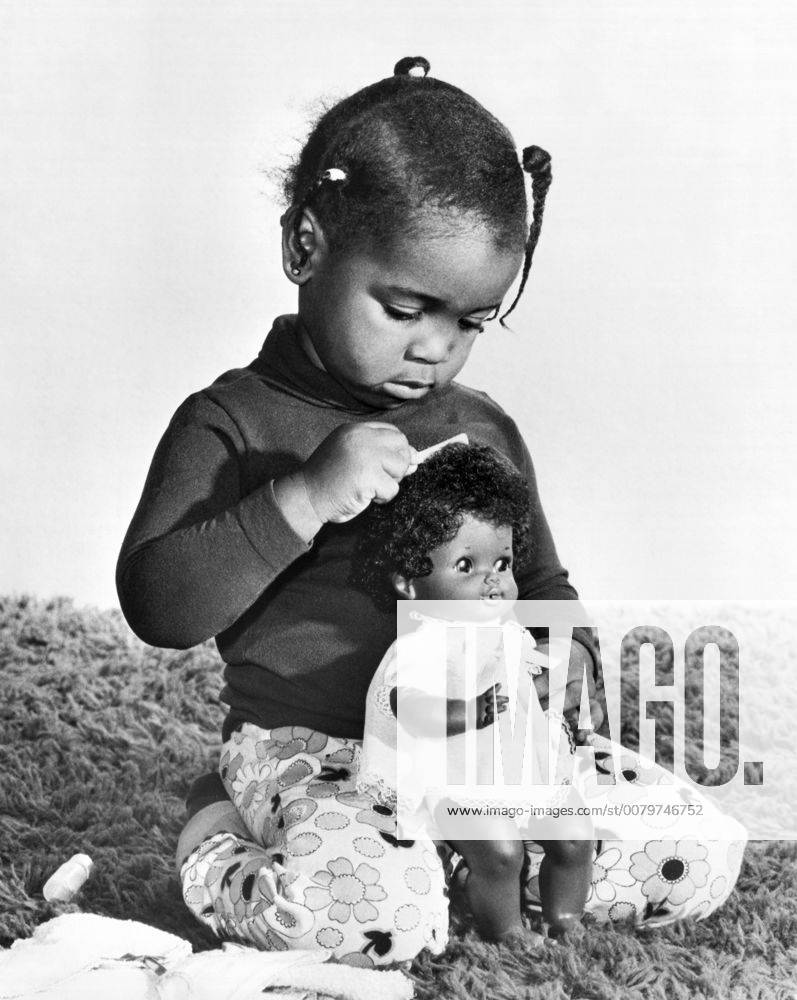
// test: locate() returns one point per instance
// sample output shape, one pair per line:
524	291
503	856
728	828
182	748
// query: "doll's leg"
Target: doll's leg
565	882
492	883
565	874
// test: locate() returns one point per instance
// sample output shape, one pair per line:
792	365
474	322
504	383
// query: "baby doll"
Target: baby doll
453	533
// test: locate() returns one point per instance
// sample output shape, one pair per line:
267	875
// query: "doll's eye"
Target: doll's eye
463	565
502	564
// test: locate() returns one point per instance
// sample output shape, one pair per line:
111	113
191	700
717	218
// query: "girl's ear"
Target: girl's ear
302	244
403	587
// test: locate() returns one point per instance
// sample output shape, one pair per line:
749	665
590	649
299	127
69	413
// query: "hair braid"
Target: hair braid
537	163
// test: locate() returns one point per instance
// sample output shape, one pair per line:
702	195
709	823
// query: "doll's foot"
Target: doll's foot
457	890
522	937
563	925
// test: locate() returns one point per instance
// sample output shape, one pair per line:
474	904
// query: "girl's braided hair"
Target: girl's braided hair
429	510
378	159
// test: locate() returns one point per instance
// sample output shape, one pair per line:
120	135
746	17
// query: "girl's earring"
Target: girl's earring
297	265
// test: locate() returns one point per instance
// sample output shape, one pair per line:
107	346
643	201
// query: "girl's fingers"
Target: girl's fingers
400	458
412	467
386	488
397	462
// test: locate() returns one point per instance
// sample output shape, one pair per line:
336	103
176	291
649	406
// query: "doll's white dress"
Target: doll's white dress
409	764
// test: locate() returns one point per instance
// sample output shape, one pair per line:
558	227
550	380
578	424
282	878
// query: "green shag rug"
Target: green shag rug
101	735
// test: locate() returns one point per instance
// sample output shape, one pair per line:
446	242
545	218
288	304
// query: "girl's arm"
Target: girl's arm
198	553
544	578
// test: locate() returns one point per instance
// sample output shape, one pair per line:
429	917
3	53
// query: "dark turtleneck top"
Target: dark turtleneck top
209	553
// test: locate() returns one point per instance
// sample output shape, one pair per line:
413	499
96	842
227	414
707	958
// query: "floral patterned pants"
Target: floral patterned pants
324	869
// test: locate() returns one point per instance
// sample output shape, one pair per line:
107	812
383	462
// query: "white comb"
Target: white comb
421	456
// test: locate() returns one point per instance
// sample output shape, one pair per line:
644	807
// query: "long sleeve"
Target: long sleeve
198	553
544	578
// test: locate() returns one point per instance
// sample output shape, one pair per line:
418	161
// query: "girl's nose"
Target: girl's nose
432	348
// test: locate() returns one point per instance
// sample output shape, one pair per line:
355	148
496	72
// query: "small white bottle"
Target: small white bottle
67	880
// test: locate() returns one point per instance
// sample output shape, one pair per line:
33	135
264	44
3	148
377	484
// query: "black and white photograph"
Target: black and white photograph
313	310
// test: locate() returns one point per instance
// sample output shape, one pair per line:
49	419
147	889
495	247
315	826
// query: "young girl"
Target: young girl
457	531
407	224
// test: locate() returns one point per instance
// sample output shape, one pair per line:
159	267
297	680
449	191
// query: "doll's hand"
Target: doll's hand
489	704
355	465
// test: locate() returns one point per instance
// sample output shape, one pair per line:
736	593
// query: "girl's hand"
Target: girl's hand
357	464
580	666
489	704
583	736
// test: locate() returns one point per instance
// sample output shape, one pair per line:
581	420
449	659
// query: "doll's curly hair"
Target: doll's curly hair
429	510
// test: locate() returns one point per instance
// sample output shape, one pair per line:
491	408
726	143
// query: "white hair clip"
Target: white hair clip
334	174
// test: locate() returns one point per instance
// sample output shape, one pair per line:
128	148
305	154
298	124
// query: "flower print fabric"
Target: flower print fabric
325	869
662	878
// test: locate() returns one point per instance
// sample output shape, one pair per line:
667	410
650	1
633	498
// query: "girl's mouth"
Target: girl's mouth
408	388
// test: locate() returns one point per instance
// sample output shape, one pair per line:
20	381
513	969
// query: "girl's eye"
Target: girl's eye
503	564
477	324
463	565
402	315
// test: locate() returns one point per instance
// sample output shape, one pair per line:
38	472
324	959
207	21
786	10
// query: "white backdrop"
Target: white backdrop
650	366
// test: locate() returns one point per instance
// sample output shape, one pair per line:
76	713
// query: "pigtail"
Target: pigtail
537	163
409	66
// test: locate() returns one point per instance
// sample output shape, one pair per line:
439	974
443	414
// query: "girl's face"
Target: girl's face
395	325
476	565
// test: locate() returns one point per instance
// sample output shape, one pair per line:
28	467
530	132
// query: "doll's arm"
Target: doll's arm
422	713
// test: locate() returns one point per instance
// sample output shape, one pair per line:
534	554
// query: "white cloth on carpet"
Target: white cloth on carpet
83	956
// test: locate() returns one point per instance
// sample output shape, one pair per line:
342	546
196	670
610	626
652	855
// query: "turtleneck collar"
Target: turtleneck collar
283	363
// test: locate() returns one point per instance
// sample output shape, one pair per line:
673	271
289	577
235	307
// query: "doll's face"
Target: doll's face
476	565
